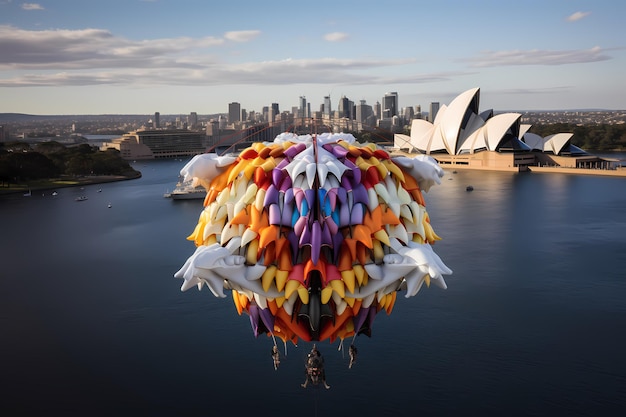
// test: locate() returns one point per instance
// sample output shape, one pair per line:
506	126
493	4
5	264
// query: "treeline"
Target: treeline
601	137
20	162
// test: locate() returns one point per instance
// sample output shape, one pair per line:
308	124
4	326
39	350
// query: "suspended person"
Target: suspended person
314	369
352	352
275	356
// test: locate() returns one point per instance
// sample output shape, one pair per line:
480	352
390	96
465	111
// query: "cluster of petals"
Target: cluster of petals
313	234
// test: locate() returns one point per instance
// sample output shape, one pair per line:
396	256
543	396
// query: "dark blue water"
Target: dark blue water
93	323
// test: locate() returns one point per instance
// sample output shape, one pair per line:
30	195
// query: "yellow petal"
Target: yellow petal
348	279
292	285
326	293
268	277
252	252
338	286
281	279
303	293
360	274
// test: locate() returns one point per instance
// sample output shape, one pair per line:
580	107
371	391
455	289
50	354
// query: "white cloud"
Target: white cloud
92	48
577	16
537	57
242	35
32	6
336	37
203	73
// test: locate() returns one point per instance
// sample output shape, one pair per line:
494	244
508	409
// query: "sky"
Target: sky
65	57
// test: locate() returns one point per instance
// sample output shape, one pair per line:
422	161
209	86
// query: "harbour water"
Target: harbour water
532	323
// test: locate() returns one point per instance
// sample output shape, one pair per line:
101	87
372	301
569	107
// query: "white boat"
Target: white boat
81	198
186	191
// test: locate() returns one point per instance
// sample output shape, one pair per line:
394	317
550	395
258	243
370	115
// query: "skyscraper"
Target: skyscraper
327	107
344	108
234	112
364	114
157	122
390	104
303	107
192	120
434	108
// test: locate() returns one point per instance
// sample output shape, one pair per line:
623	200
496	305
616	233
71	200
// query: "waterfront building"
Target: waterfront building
463	136
158	144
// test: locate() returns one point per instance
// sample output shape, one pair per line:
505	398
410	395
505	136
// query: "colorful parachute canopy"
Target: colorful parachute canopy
313	235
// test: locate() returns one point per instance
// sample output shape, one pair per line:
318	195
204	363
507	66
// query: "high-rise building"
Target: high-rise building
303	107
364	114
408	114
156	123
234	112
327	108
273	112
265	113
344	108
377	111
390	104
434	108
192	121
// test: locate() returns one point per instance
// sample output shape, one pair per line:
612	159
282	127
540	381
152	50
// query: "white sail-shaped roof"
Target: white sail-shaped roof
498	126
421	134
523	129
459	128
468	135
555	143
438	142
451	122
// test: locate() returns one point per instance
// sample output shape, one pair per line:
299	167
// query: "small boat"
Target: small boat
28	194
54	193
109	206
469	188
99	190
81	198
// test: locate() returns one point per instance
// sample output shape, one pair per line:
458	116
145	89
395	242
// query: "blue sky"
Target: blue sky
179	56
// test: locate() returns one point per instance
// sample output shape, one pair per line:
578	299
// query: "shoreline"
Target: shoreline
56	183
619	172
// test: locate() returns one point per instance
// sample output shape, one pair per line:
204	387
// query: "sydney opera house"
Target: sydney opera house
463	136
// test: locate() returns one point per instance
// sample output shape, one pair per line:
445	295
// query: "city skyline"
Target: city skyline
142	56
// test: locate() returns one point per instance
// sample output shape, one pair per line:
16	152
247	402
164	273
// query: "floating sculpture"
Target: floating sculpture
313	235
